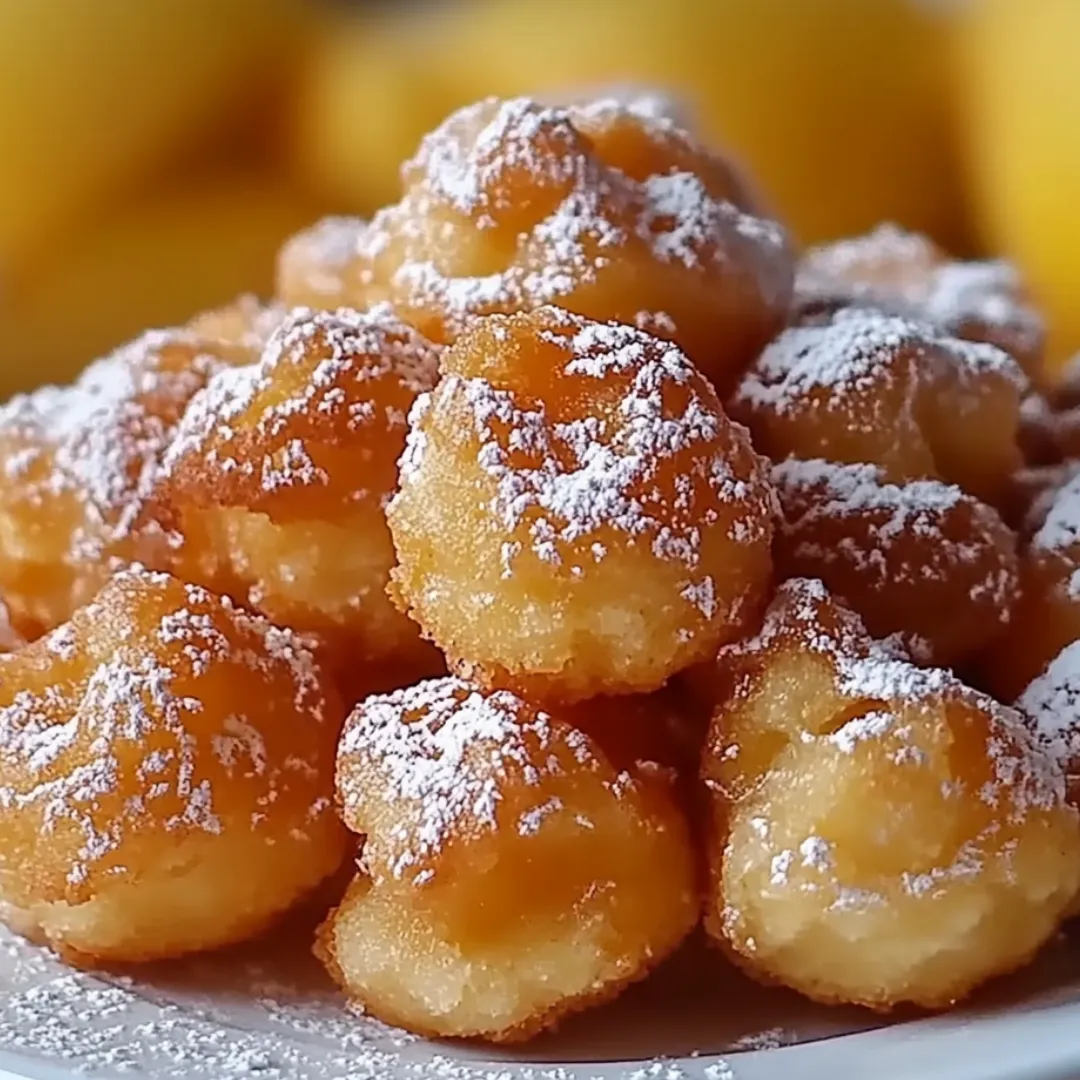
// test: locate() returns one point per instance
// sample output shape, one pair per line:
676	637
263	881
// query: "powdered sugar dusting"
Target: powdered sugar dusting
576	213
1060	529
905	273
577	482
880	677
659	108
871	704
898	533
861	350
445	750
345	350
1052	703
125	726
268	1012
99	441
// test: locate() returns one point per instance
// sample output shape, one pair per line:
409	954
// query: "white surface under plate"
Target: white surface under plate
267	1012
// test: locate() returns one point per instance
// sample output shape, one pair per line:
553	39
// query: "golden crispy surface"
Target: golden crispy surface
246	323
1048	615
863	387
510	873
644	732
78	466
576	514
919	559
1051	703
280	471
600	209
149	748
881	833
483	431
1030	493
907	274
317	267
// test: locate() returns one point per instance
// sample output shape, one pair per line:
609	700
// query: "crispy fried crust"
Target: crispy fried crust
881	834
511	873
151	746
602	209
863	387
278	476
577	516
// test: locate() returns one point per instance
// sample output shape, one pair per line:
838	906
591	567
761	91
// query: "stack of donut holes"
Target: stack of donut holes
557	564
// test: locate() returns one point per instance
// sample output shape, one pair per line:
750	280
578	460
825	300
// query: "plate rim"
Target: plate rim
1032	1042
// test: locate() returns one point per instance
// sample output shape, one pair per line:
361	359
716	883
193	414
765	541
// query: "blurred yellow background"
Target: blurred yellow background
155	153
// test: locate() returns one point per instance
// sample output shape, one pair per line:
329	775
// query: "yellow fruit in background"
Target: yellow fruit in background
94	91
153	263
1020	89
371	88
839	107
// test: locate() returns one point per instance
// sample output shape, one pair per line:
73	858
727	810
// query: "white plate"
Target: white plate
266	1012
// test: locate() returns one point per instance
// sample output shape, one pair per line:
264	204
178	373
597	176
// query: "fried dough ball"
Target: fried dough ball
659	733
1049	431
920	559
883	833
1031	493
864	387
279	475
576	515
1065	428
246	322
166	775
605	210
511	873
78	466
907	274
642	100
1052	705
10	637
1048	615
1065	392
1038	434
1050	421
318	267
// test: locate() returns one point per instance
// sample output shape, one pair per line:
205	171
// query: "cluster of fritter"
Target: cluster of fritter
456	561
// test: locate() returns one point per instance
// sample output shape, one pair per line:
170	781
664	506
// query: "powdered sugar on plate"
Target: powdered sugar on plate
268	1012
